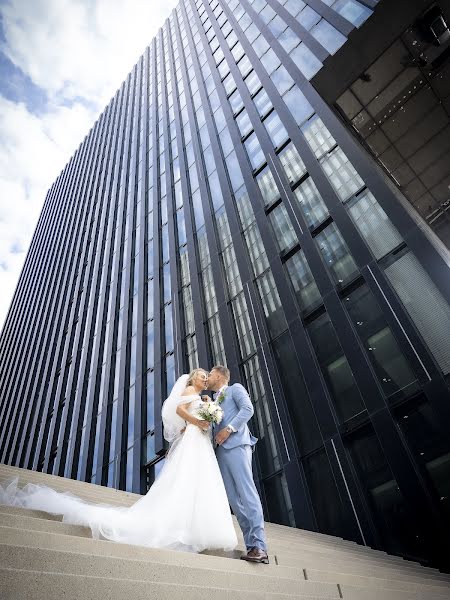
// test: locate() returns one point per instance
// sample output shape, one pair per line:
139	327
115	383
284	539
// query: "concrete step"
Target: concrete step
59	542
23	585
50	561
298	544
68	562
376	583
39	552
29	523
96	493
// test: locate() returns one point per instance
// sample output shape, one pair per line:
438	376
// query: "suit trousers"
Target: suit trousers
236	467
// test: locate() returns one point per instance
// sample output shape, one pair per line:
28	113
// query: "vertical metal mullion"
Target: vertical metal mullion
39	417
104	202
114	290
189	222
30	356
122	408
157	275
216	266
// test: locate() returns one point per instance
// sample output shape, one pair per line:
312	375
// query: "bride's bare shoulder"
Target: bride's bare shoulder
189	391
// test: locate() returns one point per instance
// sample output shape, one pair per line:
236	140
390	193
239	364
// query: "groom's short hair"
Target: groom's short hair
223	371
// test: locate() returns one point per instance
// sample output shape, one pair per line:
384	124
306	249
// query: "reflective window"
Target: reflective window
318	137
331	516
310	201
149	448
198	210
396	524
278	499
305	288
243	325
244	123
294	6
236	101
166	283
215	190
244	207
260	45
188	310
216	341
234	171
261	423
219	118
253	83
284	232
299	106
262	103
229	84
181	227
170	372
282	80
306	61
292	163
335	368
255	247
237	51
150	265
305	427
353	11
223	228
165	243
308	17
373	224
289	39
150	300
268	187
270	61
430	447
244	66
254	151
277	25
336	254
341	174
231	271
275	129
390	365
226	142
328	36
271	302
150	345
150	401
425	305
131	412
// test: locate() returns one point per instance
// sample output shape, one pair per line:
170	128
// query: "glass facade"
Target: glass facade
216	213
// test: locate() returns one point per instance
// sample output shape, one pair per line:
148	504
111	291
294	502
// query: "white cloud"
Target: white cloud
79	52
77	48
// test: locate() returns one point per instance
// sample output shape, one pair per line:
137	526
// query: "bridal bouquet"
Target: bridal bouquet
211	412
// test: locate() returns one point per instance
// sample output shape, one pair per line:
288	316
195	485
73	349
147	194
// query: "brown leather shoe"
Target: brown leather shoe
256	555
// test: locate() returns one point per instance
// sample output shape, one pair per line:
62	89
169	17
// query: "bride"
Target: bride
185	509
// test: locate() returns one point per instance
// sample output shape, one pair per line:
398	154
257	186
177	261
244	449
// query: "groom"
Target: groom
234	455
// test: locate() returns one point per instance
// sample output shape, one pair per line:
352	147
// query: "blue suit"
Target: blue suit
235	462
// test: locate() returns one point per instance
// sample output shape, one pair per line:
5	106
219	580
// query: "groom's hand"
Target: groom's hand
222	436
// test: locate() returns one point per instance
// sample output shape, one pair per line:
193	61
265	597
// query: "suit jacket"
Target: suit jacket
237	411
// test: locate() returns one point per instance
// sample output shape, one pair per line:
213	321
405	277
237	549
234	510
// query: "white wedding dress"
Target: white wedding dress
185	509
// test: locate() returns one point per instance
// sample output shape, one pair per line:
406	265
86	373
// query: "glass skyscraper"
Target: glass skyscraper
220	212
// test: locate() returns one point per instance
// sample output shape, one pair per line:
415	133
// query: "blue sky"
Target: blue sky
60	63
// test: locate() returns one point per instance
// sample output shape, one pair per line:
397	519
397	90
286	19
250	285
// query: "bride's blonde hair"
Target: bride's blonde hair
192	375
